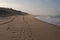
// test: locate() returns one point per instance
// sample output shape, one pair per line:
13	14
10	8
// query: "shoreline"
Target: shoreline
46	21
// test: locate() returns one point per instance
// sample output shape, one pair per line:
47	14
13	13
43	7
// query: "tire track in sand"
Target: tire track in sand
27	29
24	33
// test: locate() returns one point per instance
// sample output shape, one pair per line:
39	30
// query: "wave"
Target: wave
49	19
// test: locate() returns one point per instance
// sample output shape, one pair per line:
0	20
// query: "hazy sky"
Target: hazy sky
36	7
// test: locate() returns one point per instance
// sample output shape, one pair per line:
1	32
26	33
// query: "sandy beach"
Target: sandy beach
28	28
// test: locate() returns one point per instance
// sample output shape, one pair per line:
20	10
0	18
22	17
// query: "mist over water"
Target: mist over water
52	20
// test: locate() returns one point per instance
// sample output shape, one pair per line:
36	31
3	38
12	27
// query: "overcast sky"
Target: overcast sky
36	7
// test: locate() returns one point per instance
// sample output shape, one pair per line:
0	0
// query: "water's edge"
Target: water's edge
55	21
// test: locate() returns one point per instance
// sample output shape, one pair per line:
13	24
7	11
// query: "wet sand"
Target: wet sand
28	28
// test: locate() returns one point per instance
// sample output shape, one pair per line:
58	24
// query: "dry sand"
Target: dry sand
28	28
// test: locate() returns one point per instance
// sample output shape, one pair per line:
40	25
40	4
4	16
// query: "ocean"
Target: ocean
52	20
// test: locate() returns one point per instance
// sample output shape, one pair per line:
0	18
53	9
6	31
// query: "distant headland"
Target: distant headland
4	12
